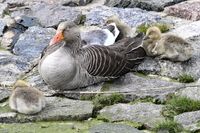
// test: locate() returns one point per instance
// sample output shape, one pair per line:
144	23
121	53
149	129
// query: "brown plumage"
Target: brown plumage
69	65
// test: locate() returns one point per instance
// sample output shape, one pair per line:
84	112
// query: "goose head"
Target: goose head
153	33
67	32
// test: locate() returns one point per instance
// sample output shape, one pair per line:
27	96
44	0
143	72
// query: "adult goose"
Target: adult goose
67	65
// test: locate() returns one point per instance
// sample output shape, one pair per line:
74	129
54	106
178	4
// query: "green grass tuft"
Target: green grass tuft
162	26
170	126
185	78
101	101
178	105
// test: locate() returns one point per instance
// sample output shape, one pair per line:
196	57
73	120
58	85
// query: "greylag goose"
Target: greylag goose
166	46
68	65
25	99
105	36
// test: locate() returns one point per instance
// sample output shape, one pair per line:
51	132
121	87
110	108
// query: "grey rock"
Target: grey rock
56	13
7	117
113	128
10	37
12	67
145	113
189	120
32	42
133	17
188	31
2	26
58	109
3	8
4	93
132	87
150	5
27	21
187	10
192	92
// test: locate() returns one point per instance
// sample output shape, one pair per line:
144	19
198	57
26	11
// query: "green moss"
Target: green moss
50	127
186	78
177	105
106	86
162	26
132	124
4	107
82	19
170	126
101	101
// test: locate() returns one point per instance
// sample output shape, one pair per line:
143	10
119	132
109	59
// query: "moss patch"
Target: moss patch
186	78
101	101
177	105
162	26
49	127
170	126
132	124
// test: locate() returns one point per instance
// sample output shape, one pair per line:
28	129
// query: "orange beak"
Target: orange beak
57	38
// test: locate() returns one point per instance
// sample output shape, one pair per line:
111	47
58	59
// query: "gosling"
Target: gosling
25	99
124	29
166	46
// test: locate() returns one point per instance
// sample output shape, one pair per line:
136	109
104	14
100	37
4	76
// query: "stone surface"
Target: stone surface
27	21
32	42
12	67
133	17
3	8
150	5
113	128
132	87
188	30
2	26
189	120
145	113
55	13
7	117
58	109
187	10
192	92
4	93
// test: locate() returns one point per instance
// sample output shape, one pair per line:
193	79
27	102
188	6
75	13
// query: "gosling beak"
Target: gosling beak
57	38
146	37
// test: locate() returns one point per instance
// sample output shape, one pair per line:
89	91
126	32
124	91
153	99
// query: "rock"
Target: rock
27	21
4	93
7	117
145	113
3	9
32	42
58	109
189	120
192	92
187	10
133	17
188	31
113	128
132	87
56	13
12	67
10	37
150	5
2	26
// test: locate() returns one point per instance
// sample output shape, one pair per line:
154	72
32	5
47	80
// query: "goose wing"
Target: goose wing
112	61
